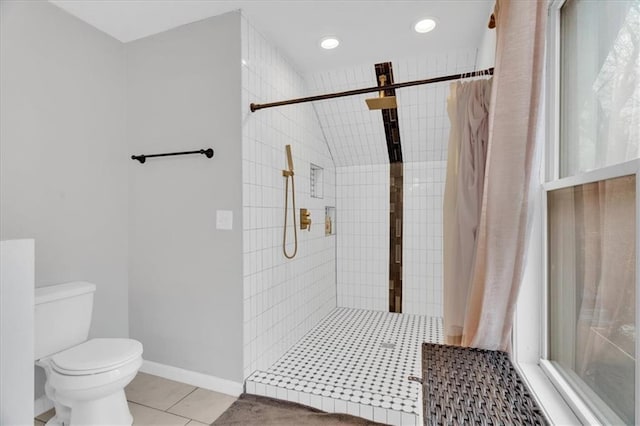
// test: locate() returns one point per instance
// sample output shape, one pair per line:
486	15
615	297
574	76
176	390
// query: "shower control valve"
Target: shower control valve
305	219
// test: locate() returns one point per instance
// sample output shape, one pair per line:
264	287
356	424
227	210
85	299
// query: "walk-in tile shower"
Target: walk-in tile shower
317	328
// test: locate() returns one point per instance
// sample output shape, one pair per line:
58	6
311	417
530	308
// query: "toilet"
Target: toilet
85	378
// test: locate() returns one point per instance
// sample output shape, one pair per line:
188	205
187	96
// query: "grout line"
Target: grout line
162	411
180	400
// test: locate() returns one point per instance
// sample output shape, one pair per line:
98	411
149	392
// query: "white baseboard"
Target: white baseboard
193	378
41	405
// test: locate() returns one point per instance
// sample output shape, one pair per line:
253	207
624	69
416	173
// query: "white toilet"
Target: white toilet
85	378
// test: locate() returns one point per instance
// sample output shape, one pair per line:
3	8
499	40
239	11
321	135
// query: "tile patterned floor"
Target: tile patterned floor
356	362
155	401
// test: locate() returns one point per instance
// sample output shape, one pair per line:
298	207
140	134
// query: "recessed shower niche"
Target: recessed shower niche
329	220
316	181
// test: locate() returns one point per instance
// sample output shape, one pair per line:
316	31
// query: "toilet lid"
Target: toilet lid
96	356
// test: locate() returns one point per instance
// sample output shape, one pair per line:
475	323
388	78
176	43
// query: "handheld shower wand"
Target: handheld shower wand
289	174
289	159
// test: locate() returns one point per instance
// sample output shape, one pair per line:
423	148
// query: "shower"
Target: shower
382	101
289	174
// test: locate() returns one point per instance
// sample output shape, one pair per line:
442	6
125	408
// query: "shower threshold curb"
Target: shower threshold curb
374	407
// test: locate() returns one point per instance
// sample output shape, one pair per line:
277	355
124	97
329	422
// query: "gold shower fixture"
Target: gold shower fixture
289	174
382	101
305	219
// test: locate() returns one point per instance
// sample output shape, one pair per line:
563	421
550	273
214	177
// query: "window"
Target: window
592	291
599	84
591	205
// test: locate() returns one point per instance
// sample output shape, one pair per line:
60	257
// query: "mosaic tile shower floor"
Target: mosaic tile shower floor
356	362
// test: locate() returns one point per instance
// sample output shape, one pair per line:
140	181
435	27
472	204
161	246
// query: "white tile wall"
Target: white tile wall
356	135
356	139
363	236
422	110
283	299
422	237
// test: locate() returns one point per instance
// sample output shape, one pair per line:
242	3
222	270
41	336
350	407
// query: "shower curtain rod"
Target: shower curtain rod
489	71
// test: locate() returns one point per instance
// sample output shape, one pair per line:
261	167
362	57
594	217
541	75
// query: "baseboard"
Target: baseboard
193	378
41	405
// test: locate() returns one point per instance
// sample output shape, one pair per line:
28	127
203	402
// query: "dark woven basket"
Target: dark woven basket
464	386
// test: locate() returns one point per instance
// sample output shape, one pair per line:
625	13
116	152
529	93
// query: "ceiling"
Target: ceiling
370	30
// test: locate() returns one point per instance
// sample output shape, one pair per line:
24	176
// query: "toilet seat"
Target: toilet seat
95	356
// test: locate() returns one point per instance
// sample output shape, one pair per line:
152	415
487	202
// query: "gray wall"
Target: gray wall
185	294
63	158
66	179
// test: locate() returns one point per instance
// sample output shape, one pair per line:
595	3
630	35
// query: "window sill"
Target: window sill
551	401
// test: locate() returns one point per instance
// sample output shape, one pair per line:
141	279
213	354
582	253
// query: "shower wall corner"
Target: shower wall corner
283	299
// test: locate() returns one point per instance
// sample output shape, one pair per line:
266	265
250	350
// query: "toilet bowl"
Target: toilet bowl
86	379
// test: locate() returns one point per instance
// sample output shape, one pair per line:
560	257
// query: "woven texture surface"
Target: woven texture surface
463	386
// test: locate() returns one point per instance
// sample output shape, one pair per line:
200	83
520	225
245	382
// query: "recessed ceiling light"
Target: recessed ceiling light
329	43
425	25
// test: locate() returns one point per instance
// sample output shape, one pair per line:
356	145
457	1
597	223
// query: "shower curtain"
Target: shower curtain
592	280
486	301
468	108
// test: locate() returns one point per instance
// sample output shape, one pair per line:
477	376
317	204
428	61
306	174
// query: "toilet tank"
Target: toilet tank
62	316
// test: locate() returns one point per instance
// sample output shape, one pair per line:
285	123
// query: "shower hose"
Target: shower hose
286	205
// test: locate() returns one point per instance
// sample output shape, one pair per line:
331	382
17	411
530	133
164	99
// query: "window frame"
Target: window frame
584	411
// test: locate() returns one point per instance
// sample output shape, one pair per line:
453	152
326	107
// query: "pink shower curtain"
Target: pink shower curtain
468	107
502	233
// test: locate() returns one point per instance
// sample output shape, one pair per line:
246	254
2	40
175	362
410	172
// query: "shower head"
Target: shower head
289	158
382	101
